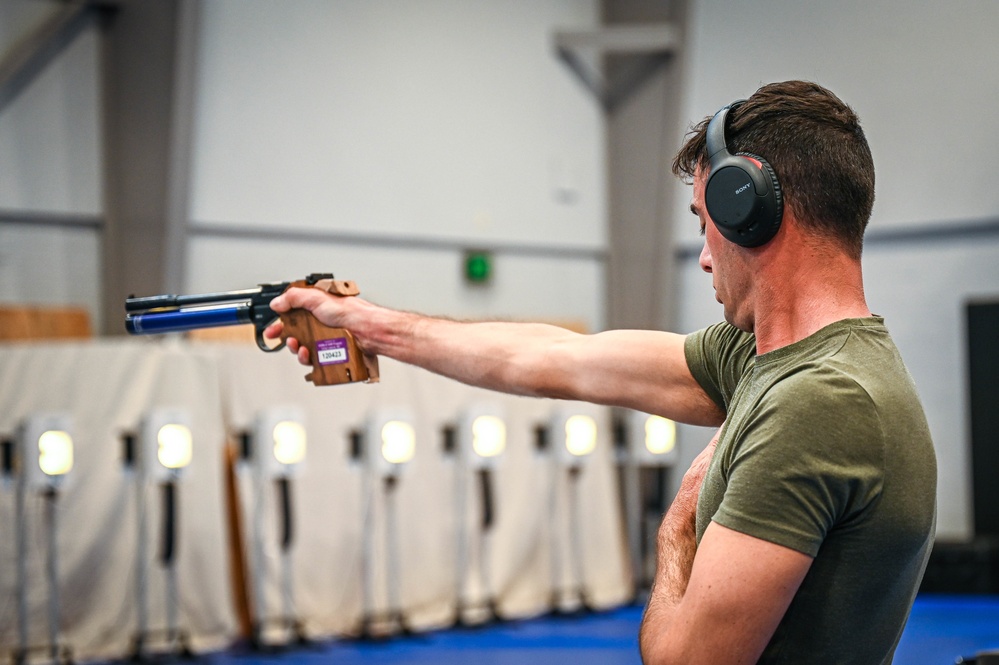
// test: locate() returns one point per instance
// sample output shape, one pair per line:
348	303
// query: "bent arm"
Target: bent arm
642	370
738	590
719	601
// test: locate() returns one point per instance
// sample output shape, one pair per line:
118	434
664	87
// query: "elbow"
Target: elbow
550	370
661	652
652	652
661	643
552	383
540	374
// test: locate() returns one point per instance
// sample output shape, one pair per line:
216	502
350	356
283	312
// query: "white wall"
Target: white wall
50	164
537	288
402	123
49	135
919	75
41	265
442	122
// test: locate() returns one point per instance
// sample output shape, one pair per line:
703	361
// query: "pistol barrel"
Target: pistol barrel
149	303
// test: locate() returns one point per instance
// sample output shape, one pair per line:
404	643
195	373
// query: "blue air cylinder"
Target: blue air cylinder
190	319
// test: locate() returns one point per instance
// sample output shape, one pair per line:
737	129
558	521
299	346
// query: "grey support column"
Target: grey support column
148	64
632	64
644	130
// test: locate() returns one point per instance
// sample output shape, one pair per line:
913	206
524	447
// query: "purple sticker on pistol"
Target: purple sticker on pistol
332	351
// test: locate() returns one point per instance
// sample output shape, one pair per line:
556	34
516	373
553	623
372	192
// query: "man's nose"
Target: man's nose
705	258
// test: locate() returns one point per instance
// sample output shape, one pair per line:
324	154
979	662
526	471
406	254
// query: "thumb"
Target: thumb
298	298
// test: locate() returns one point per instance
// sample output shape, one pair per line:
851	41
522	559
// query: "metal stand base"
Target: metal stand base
487	609
381	626
581	606
172	644
292	627
56	653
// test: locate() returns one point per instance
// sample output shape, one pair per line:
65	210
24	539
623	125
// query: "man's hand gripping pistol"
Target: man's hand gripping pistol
336	357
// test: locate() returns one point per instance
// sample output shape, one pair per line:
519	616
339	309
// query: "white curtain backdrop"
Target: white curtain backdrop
108	386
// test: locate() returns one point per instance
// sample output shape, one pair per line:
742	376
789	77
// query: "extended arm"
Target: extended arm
720	601
643	370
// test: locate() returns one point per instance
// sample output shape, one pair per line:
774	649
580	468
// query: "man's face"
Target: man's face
724	261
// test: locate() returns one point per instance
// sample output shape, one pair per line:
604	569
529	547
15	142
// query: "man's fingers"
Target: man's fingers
273	331
311	300
296	298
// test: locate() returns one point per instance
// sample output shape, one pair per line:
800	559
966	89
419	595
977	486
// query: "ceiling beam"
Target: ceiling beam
32	54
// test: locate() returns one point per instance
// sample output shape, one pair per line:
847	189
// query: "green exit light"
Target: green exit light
478	266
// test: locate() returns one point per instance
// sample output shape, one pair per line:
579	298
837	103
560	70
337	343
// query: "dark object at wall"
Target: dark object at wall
983	387
968	567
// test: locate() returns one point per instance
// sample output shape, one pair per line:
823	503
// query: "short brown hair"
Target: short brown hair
816	147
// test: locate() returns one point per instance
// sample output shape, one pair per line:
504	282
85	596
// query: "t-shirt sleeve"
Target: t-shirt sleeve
717	356
811	458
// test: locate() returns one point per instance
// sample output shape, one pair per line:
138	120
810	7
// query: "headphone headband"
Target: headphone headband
715	134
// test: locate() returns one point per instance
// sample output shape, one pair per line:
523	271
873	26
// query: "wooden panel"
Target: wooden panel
27	323
224	334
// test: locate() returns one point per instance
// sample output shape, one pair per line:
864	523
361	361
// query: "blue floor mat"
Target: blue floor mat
607	638
940	629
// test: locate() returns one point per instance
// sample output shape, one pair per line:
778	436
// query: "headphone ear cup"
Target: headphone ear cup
742	195
768	221
744	199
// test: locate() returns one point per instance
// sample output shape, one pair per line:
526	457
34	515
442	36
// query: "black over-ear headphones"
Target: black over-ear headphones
743	198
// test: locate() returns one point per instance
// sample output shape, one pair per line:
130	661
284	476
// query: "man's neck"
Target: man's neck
795	298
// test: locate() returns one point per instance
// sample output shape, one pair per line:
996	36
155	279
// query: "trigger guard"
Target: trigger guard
262	345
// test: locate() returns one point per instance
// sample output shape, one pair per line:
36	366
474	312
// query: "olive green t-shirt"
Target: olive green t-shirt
826	450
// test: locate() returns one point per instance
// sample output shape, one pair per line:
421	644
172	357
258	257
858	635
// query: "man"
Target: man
800	534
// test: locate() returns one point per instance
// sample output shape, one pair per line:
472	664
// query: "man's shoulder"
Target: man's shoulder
717	357
721	341
851	360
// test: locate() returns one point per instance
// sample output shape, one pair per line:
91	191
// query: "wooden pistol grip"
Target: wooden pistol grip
334	353
338	287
